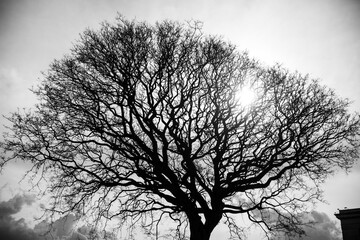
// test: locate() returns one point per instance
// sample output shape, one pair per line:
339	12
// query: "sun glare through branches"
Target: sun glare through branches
245	95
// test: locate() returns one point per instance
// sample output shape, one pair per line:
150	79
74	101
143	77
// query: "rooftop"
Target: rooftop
348	213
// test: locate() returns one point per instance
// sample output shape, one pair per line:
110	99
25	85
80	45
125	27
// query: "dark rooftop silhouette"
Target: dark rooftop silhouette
350	223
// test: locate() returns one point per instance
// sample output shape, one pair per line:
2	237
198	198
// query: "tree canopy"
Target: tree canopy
144	123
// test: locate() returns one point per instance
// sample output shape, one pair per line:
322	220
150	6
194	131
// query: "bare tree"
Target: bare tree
143	122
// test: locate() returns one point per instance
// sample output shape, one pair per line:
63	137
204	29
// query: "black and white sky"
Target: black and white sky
321	38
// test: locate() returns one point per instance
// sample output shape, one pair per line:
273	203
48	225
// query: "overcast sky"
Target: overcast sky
321	38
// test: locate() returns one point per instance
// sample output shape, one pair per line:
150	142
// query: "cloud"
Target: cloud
63	228
17	229
10	228
11	85
60	228
10	81
77	236
15	204
14	90
321	228
96	234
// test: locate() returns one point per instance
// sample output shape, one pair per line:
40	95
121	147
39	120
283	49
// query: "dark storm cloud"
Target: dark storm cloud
15	204
17	229
10	228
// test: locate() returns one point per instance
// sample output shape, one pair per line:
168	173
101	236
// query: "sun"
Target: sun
245	96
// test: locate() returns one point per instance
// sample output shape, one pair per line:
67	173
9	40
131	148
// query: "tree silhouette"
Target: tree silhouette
143	123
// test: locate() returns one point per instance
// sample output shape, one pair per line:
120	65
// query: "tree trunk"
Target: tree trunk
201	231
198	231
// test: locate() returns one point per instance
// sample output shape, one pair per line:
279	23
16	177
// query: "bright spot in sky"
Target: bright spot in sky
245	95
